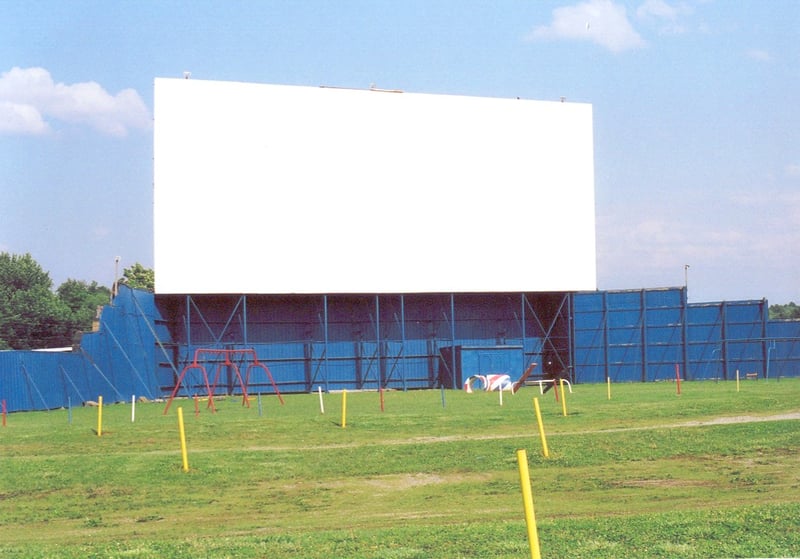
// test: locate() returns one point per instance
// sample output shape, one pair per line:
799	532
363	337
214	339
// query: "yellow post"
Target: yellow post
608	387
545	451
99	416
737	380
527	501
182	432
563	399
344	409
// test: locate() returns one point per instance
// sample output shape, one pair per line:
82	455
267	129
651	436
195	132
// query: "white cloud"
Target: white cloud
793	171
16	118
759	55
30	100
660	9
600	21
667	16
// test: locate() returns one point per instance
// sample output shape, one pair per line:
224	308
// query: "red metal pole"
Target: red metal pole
4	413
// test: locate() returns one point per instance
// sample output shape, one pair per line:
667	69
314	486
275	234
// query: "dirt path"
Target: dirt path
470	437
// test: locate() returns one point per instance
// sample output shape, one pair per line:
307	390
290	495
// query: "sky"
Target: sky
696	108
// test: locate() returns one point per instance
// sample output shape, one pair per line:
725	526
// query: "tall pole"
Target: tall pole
686	280
116	279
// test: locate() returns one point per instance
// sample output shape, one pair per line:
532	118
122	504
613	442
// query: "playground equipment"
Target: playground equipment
229	361
521	380
498	381
488	383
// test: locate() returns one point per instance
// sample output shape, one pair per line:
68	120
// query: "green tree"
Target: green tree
790	311
139	277
83	300
31	316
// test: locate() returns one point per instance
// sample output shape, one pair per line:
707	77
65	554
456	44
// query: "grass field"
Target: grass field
711	472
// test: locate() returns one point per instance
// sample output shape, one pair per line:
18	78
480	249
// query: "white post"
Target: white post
133	407
321	404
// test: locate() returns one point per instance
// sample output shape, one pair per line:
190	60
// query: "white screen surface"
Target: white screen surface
286	189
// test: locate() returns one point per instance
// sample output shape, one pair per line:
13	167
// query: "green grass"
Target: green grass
648	473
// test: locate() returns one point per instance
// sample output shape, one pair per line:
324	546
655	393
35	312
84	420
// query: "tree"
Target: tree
31	316
139	277
83	300
790	311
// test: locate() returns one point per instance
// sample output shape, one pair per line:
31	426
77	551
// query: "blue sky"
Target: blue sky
696	115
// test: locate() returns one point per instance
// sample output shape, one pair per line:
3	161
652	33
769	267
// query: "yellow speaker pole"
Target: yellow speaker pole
527	501
99	416
545	451
344	409
184	454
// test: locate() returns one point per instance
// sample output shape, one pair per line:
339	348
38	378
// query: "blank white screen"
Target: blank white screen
285	189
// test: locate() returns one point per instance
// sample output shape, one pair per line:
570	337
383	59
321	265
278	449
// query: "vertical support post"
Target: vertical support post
643	330
608	387
563	398
522	325
4	412
453	338
379	347
764	312
605	334
737	380
188	322
133	408
325	341
321	403
678	378
69	410
403	340
723	309
244	319
571	331
685	330
527	502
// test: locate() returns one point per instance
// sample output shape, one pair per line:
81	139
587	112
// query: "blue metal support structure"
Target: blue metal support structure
453	338
523	327
723	311
244	321
764	310
606	337
378	346
685	331
643	327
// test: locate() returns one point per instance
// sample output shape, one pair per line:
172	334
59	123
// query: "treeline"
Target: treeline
33	316
790	311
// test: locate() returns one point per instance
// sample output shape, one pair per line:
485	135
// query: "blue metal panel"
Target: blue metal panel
115	362
783	348
402	341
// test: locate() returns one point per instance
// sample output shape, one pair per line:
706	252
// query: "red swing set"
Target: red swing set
230	356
